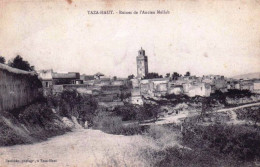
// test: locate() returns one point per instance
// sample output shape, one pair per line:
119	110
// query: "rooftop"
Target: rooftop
15	70
70	75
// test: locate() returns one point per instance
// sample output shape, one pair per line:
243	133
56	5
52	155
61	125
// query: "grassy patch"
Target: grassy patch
114	125
216	145
238	142
249	113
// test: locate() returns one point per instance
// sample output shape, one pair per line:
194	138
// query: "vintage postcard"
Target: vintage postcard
135	83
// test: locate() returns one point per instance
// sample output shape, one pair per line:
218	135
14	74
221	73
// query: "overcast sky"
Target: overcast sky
203	37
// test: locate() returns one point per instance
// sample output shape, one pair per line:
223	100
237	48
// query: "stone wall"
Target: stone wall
17	87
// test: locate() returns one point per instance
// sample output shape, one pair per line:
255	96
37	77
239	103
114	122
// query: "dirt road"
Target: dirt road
177	118
233	115
238	107
79	148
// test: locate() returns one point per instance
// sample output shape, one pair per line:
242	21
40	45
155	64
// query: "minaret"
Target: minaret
142	64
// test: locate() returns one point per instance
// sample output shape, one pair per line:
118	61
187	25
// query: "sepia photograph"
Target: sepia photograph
129	83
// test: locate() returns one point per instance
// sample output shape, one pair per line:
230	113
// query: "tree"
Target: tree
2	60
187	74
19	63
152	75
114	78
175	76
131	77
167	75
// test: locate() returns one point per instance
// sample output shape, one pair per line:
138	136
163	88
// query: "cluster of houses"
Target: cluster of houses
104	89
189	85
112	89
50	79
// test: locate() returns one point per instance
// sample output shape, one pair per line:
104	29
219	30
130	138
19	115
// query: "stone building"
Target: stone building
217	82
154	87
46	78
197	89
17	87
247	85
256	85
135	83
98	75
231	84
175	89
136	97
142	64
119	82
103	81
85	77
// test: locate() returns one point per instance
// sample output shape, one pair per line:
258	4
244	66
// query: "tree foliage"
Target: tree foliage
2	60
131	77
152	75
175	75
20	63
70	103
167	75
187	74
140	113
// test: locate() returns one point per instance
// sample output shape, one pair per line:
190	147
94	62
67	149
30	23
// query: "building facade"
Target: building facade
65	78
46	78
257	86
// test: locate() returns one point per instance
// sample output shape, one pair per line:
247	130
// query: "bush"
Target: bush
71	103
10	137
215	146
127	112
114	125
240	142
35	122
238	93
181	157
249	113
41	121
131	112
148	111
11	132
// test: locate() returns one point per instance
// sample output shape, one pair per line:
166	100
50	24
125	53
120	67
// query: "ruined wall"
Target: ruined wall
17	87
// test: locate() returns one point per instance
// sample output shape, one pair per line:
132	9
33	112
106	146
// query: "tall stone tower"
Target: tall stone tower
142	64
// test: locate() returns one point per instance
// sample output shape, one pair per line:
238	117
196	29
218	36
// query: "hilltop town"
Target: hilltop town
111	90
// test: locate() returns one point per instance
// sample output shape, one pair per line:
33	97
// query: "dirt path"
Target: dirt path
233	115
239	107
79	148
170	119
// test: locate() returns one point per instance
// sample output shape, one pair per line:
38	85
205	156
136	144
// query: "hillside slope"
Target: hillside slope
248	76
36	122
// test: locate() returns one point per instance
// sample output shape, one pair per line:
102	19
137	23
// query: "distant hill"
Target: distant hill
248	76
